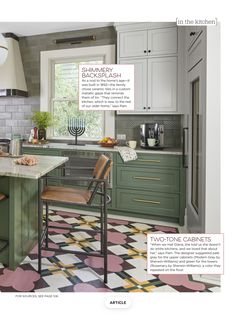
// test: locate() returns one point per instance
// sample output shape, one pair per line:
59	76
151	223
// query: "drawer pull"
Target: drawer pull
146	201
147	178
150	160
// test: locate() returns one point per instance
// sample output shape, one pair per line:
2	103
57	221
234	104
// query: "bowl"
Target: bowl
104	144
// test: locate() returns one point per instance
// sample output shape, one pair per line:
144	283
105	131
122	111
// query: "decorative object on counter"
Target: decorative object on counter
132	144
27	161
76	127
15	149
108	142
43	120
127	153
3	49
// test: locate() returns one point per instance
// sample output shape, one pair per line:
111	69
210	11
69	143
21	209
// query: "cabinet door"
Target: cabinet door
192	34
133	44
140	84
162	41
162	84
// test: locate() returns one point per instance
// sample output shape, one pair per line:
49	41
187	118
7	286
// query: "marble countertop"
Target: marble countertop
88	147
9	168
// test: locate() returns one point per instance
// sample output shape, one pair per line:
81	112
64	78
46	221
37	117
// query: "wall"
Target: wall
15	112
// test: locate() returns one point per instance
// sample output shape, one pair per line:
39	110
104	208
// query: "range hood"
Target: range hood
12	78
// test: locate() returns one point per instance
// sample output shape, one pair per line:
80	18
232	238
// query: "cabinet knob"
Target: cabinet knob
149	51
144	107
192	33
145	51
149	107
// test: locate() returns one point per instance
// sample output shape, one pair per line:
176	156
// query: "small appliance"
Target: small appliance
4	145
152	131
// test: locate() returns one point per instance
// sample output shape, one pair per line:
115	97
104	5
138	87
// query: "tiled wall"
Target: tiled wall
15	113
129	125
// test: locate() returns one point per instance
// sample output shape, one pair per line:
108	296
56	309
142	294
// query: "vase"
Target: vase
42	134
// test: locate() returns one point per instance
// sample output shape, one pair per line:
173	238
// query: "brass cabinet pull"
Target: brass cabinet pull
146	201
150	160
147	178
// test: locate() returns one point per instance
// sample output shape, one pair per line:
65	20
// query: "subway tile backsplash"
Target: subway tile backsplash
15	114
129	125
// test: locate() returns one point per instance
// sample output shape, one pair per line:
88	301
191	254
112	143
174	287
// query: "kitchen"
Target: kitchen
170	131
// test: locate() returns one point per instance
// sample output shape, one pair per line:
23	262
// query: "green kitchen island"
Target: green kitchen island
19	212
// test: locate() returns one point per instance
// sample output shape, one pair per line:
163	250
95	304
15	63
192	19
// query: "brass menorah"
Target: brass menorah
76	127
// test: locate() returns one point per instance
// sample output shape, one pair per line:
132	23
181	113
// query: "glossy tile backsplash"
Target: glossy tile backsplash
129	125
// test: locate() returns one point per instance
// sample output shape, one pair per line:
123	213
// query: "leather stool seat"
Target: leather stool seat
66	195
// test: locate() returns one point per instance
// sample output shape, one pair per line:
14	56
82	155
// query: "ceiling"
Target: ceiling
35	28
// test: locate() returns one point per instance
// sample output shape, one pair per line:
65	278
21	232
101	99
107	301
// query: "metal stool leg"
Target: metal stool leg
105	234
39	225
46	225
102	225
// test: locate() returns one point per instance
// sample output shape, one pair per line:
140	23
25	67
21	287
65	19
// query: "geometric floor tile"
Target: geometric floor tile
127	263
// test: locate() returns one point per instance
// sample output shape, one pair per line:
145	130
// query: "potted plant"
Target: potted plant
42	120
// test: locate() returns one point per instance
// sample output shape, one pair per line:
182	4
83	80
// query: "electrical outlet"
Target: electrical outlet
121	137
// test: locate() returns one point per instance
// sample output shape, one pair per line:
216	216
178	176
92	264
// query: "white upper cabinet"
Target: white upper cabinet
133	44
153	48
152	42
162	41
162	87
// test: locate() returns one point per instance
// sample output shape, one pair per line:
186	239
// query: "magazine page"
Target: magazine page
113	159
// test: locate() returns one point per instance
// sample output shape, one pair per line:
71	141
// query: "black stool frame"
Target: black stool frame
105	199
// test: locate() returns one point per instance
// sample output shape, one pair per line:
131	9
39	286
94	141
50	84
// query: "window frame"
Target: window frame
48	58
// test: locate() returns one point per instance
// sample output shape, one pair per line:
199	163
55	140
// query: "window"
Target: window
64	104
59	91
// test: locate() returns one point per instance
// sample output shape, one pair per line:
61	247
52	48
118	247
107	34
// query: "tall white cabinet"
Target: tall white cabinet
153	49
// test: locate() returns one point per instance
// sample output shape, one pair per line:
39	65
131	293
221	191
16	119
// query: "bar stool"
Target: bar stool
3	242
81	198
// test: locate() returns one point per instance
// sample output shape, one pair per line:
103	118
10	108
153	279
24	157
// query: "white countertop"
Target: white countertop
9	168
88	147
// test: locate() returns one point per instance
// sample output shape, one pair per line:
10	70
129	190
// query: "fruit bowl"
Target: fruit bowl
108	142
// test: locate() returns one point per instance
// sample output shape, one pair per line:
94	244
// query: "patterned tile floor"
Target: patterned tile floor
62	272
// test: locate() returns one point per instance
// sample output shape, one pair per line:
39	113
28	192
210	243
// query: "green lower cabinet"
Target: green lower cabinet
155	160
162	180
152	186
144	202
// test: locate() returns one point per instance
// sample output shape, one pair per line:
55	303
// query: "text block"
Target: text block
185	254
106	87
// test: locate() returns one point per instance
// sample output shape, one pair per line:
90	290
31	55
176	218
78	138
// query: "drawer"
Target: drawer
144	202
163	180
41	151
157	160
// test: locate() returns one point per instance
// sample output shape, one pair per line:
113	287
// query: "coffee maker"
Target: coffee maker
152	131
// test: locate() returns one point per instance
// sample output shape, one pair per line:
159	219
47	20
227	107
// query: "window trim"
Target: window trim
46	60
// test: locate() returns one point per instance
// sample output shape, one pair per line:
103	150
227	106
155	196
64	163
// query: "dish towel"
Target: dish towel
127	153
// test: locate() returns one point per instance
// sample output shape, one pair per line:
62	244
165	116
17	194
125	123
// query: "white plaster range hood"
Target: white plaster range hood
12	78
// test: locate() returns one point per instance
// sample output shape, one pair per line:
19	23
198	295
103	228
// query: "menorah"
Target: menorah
76	127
